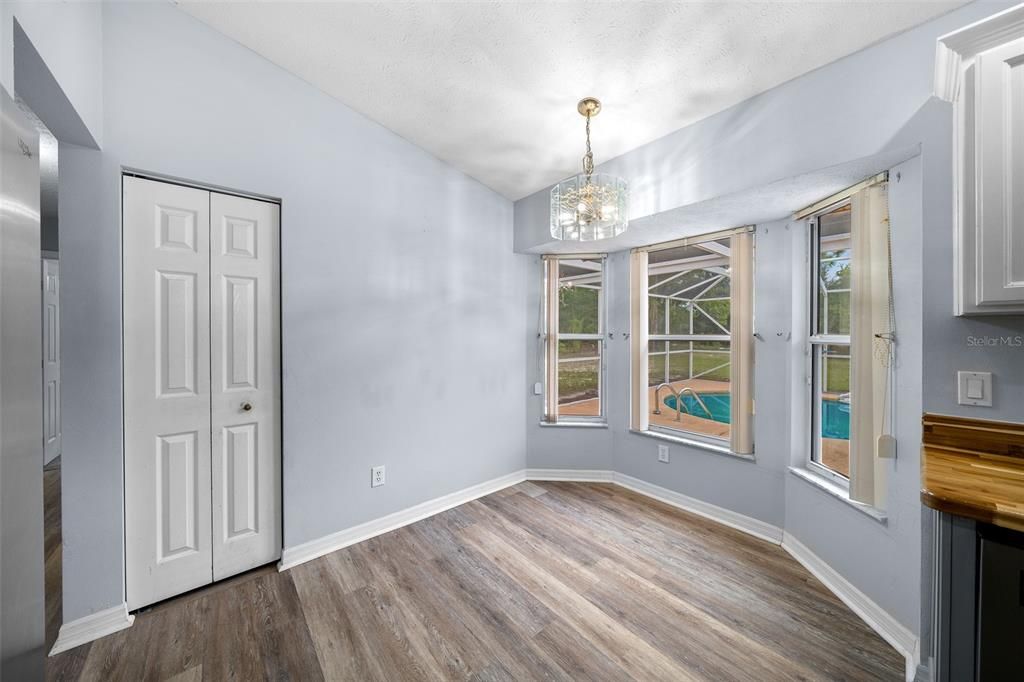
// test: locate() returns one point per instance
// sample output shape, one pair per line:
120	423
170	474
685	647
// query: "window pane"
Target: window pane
711	317
832	407
836	313
678	317
711	362
703	368
656	362
579	296
834	269
579	378
833	272
655	315
679	360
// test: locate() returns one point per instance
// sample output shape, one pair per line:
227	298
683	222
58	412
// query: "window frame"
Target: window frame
600	336
669	338
816	343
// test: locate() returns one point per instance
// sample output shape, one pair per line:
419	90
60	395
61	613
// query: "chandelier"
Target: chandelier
590	205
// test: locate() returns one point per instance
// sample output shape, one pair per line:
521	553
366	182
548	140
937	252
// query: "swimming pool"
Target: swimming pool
835	415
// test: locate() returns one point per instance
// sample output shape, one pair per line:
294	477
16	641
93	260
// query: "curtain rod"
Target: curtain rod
818	206
573	256
696	239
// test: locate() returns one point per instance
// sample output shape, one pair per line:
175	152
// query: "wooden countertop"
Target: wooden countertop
974	468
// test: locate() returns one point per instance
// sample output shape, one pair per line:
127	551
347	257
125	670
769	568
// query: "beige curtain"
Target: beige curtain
550	339
741	329
638	340
869	370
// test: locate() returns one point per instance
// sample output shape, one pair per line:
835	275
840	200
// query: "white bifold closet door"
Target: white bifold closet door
245	395
201	387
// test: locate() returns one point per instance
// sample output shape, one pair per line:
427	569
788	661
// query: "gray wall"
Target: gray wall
402	301
882	560
69	36
870	103
751	488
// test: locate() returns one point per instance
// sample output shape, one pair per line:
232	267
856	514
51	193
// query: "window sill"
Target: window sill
840	493
574	425
693	443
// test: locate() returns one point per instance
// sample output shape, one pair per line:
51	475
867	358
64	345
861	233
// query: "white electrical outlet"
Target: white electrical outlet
377	476
663	453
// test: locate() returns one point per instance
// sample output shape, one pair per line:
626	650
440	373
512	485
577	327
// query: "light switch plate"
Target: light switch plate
538	389
974	388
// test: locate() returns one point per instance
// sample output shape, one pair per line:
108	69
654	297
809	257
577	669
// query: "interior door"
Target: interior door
166	314
246	398
51	359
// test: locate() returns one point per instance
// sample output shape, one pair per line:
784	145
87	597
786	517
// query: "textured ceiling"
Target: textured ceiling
491	87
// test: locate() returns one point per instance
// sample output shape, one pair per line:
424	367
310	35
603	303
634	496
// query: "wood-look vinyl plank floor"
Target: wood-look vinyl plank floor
52	547
545	581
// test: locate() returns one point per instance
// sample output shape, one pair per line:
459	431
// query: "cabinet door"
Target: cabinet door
1001	608
166	265
1000	175
245	343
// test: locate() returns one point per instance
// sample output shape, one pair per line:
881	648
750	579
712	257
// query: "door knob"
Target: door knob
246	407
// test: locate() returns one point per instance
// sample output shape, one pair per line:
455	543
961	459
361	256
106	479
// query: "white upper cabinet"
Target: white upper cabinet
981	69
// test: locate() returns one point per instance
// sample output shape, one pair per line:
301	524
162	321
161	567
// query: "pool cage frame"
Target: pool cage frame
717	263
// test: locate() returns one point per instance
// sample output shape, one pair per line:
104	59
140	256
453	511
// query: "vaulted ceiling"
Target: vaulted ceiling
491	87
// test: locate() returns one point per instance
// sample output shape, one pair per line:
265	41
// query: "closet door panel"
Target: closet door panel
166	389
246	398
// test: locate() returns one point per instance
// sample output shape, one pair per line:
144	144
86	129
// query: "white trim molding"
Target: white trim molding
955	51
877	618
117	618
578	475
726	517
307	551
91	627
888	628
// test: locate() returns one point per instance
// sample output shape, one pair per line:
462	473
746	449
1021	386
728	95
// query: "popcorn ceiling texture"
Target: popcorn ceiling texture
491	87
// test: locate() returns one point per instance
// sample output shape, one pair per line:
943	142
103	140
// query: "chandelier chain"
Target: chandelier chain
588	158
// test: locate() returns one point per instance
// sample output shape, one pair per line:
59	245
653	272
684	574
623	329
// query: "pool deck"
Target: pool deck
835	453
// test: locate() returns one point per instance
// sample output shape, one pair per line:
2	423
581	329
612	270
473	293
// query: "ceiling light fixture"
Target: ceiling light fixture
590	205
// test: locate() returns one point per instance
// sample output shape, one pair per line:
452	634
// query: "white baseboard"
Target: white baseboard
887	627
93	626
307	551
111	620
579	475
726	517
